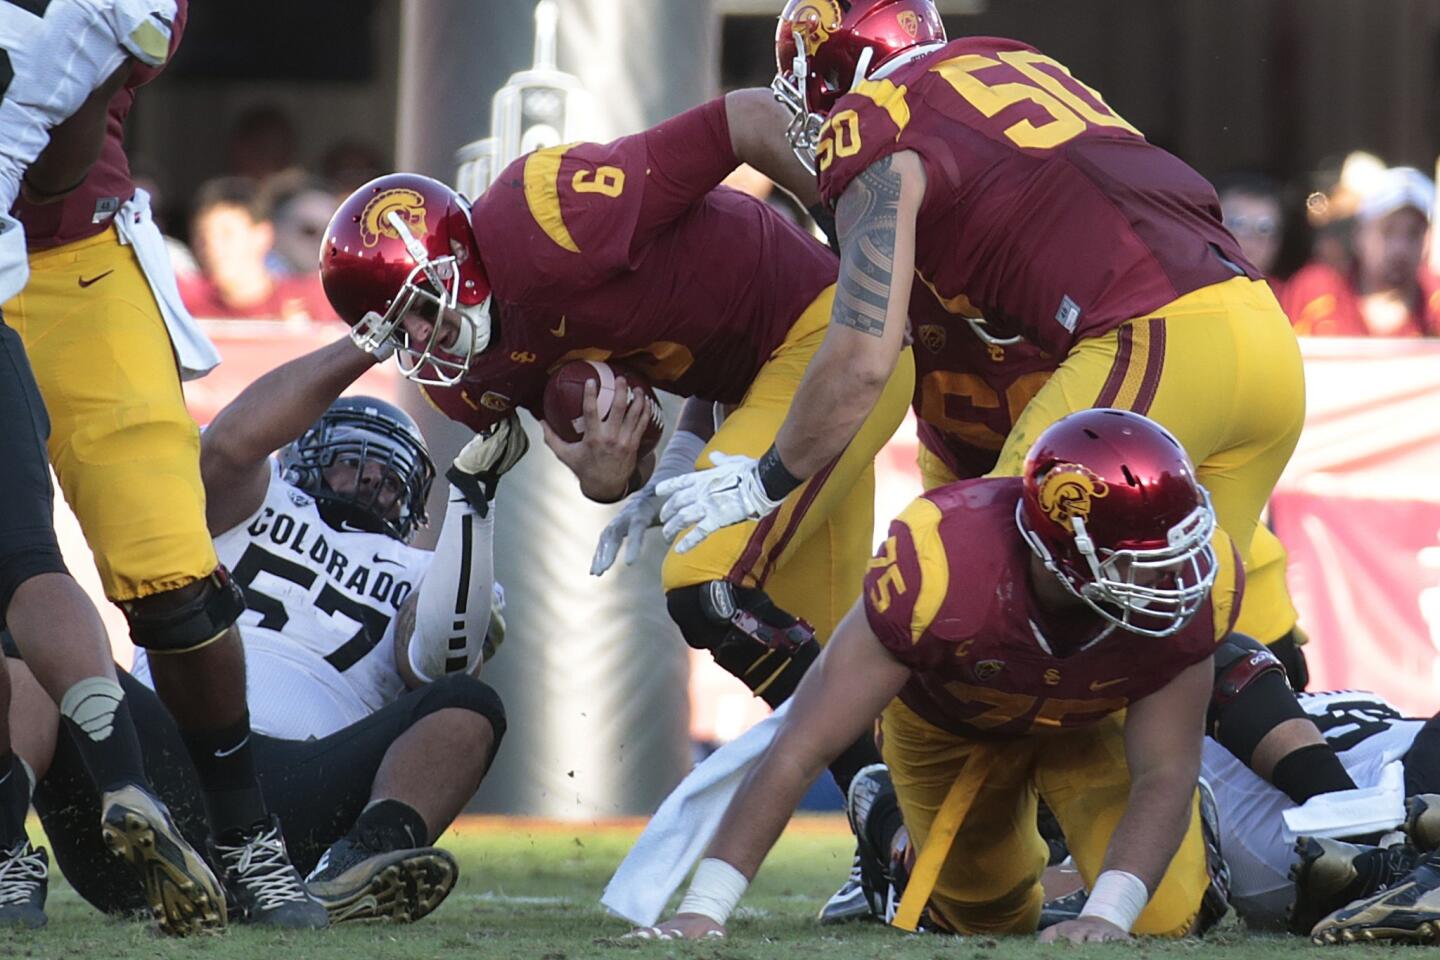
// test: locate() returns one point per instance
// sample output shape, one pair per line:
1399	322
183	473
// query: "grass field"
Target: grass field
531	890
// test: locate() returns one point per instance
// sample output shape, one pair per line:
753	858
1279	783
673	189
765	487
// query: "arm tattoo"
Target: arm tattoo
866	218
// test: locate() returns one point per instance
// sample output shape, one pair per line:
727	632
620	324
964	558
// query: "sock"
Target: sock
225	762
391	825
14	801
1310	771
98	719
856	757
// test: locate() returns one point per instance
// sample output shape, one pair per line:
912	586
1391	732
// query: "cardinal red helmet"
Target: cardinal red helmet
1112	507
823	48
403	243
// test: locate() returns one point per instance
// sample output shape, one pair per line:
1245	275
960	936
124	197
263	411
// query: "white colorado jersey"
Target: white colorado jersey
53	54
1367	734
319	623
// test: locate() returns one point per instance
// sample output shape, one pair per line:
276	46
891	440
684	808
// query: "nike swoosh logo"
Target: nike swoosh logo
1101	685
85	283
558	331
234	749
379	559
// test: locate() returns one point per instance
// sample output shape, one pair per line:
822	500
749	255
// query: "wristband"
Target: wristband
714	890
1118	897
777	481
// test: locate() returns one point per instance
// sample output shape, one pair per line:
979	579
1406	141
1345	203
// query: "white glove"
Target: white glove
642	509
729	493
640	512
488	456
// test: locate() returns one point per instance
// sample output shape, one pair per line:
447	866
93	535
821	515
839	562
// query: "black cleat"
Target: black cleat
1215	902
266	888
1329	874
355	882
850	902
1063	908
179	885
24	880
1406	912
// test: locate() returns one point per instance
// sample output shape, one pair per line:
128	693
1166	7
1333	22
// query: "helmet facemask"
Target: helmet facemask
789	89
1152	591
432	290
358	439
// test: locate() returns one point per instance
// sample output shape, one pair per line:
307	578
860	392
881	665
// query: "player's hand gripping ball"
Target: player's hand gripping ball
565	397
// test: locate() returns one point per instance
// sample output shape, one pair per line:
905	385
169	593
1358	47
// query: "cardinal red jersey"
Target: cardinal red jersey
949	596
1050	212
93	205
968	393
629	252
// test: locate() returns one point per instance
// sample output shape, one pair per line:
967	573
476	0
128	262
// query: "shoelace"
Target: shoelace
262	867
20	873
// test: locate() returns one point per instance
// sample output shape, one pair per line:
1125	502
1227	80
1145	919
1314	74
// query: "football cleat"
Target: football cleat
1329	874
1406	912
24	881
355	882
1422	821
850	902
266	888
1215	903
179	886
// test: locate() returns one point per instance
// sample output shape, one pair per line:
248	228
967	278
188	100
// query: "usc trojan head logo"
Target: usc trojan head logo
1067	491
375	218
932	336
815	20
908	22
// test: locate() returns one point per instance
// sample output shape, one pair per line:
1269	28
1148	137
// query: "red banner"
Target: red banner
1359	512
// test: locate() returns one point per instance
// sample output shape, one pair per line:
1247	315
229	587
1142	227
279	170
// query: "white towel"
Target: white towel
1350	813
681	829
197	355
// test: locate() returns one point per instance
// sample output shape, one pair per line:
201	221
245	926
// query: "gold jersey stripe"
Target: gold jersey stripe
542	194
923	518
889	98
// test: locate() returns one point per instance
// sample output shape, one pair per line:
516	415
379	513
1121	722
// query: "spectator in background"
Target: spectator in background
1250	204
1384	294
349	164
232	236
300	206
262	142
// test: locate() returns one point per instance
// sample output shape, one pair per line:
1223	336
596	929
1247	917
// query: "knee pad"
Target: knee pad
1251	697
768	649
186	618
462	692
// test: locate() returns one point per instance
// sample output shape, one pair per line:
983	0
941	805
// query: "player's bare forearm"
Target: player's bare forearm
836	703
698	417
268	414
74	145
876	222
1163	738
757	124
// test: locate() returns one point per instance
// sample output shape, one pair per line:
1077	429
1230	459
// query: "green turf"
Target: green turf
532	892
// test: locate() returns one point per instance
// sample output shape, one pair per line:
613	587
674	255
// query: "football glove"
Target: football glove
728	493
488	456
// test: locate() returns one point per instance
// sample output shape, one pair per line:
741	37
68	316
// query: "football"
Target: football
565	397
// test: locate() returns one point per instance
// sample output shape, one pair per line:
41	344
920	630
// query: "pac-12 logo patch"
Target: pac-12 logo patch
814	20
932	337
1068	490
375	218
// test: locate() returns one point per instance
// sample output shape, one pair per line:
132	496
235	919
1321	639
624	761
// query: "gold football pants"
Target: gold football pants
991	879
1220	369
122	443
810	555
